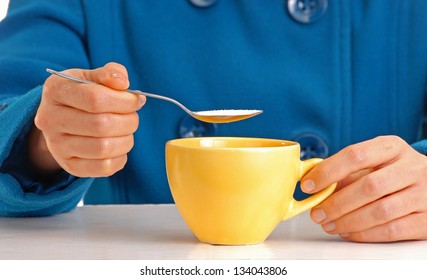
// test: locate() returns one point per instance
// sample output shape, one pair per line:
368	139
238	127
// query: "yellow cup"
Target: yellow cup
235	191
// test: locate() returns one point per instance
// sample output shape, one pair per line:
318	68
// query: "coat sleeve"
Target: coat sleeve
421	146
35	35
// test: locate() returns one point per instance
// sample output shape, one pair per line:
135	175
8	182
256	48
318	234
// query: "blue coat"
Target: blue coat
327	75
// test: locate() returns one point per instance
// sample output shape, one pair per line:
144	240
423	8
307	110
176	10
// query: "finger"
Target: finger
71	121
352	178
399	204
99	99
367	189
71	146
410	227
91	98
94	167
112	75
364	155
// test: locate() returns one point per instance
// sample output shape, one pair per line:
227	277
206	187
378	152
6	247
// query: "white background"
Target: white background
3	8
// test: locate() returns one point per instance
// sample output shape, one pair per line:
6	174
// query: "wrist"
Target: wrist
39	155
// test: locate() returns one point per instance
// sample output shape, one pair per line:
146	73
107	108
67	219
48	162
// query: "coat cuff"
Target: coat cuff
20	195
420	146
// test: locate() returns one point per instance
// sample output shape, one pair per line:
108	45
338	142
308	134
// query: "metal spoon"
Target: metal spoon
213	116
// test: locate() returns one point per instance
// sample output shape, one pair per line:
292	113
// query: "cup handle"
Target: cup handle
296	207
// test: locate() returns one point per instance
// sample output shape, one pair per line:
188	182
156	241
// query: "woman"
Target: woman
346	79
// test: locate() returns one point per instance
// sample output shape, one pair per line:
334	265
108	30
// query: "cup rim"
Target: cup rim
281	144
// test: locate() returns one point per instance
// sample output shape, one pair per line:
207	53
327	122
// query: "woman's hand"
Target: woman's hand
84	129
381	194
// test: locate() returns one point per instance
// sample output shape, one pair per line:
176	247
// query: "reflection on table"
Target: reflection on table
158	232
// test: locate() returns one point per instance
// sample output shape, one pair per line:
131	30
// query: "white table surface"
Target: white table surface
158	232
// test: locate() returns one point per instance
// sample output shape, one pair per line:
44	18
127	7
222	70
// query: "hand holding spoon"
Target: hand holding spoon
212	116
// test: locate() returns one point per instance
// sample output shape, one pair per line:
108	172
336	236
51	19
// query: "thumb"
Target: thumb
112	75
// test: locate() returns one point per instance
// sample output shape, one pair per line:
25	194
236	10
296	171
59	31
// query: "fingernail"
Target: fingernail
308	185
141	101
329	226
318	215
117	75
344	235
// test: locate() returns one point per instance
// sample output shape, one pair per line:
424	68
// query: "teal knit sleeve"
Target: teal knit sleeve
421	146
19	200
35	35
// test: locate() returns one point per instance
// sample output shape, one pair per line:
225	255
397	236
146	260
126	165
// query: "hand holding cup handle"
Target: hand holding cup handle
298	206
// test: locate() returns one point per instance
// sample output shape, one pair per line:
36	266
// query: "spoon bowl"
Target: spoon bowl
224	116
211	116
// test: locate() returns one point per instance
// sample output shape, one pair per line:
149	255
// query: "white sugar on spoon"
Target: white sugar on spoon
224	116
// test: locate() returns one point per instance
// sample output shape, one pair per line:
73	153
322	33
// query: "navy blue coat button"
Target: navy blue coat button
191	127
312	146
307	11
3	106
203	3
